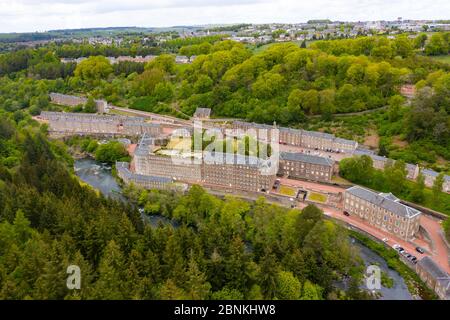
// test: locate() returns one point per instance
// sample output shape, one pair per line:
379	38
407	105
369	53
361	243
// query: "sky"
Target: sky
42	15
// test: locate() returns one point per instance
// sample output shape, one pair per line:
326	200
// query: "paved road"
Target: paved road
380	234
434	228
311	185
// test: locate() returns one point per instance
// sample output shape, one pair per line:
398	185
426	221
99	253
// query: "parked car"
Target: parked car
385	239
420	250
346	214
276	184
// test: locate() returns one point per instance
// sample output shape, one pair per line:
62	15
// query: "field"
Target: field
340	180
287	191
317	197
179	144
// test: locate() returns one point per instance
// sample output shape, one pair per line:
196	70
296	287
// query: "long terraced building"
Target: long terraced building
90	123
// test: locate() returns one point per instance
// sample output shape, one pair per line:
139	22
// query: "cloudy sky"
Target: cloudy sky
41	15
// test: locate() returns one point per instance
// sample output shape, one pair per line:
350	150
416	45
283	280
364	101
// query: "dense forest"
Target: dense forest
218	249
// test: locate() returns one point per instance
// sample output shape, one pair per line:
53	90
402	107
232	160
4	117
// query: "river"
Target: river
399	290
99	176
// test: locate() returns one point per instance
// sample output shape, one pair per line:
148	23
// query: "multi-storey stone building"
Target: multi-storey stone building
301	138
69	100
435	278
431	175
224	170
177	168
234	171
304	166
379	162
88	123
202	113
327	142
149	182
262	132
383	211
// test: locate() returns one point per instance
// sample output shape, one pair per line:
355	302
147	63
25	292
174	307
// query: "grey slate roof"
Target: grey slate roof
360	152
431	267
233	159
202	112
124	168
143	147
317	134
384	201
429	172
296	156
90	116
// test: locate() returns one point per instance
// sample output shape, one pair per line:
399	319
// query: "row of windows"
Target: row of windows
365	205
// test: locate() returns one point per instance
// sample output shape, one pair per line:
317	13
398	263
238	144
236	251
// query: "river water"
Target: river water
399	290
99	176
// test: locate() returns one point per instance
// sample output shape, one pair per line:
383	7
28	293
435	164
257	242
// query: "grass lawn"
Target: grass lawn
121	113
340	180
179	144
444	58
287	191
318	197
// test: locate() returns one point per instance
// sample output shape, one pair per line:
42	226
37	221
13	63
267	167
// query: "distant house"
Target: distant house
435	278
431	175
202	113
408	90
181	60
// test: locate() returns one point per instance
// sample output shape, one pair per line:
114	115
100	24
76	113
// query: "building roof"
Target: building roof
301	157
433	269
202	113
89	116
384	200
234	159
123	167
374	156
429	172
144	145
317	134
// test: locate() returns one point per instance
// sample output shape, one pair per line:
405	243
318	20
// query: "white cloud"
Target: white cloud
39	15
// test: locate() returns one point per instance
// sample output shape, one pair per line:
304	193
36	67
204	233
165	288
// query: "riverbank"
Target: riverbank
415	285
